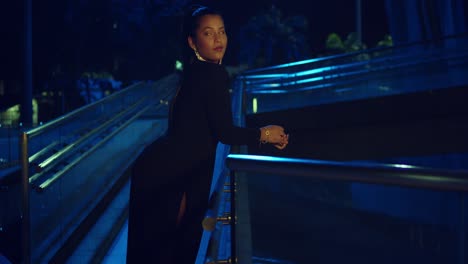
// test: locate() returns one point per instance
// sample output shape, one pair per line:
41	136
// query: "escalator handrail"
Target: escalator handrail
371	173
125	117
56	122
331	76
334	58
73	147
50	181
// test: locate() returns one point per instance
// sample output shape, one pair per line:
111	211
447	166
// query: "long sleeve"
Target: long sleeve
219	112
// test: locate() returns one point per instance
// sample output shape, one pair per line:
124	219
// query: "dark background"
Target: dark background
128	41
76	36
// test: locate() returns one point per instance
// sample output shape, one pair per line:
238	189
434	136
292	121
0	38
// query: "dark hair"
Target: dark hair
190	24
192	18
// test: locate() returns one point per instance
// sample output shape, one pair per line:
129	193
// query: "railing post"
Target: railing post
25	214
233	223
240	223
239	121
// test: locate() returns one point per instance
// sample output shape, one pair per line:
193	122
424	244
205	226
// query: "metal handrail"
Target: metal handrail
56	122
68	150
334	80
321	69
50	181
336	57
387	174
331	74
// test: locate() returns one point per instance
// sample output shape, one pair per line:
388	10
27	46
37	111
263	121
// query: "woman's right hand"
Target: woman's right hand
275	135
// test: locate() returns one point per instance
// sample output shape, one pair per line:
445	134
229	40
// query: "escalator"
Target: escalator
76	166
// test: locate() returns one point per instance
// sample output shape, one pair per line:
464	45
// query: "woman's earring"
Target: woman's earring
198	55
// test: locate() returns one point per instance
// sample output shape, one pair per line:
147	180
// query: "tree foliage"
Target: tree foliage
335	45
270	38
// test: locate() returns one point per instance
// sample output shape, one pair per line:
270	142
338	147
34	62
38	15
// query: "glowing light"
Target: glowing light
254	105
12	114
35	111
306	80
314	71
264	76
179	65
269	85
271	158
270	92
402	166
286	65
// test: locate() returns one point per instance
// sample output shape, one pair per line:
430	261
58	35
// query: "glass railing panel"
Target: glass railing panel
298	220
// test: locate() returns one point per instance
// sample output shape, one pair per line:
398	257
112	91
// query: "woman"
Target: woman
171	179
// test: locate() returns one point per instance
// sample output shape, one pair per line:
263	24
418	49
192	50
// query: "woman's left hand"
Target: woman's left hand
275	135
284	142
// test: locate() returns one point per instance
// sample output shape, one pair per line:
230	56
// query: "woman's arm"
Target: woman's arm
219	114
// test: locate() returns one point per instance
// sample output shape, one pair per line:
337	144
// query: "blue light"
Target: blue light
264	76
314	71
269	85
270	92
268	158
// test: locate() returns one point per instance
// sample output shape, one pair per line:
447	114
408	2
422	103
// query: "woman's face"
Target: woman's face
210	38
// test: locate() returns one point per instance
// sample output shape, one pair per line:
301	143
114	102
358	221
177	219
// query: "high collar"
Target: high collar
200	58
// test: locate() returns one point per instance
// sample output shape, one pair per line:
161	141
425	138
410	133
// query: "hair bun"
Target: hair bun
195	9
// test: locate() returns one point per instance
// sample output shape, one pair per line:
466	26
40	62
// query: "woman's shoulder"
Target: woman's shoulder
203	67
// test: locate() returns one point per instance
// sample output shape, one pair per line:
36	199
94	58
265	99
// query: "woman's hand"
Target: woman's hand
275	135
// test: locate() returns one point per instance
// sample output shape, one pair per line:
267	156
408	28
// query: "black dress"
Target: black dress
182	162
